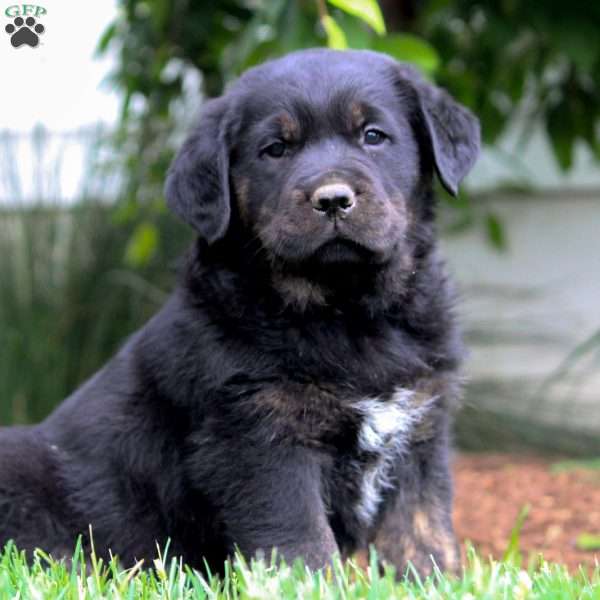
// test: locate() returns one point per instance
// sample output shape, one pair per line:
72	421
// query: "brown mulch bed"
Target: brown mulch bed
491	489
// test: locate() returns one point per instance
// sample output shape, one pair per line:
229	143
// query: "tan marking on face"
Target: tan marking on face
290	128
373	221
289	219
241	186
357	115
298	196
398	201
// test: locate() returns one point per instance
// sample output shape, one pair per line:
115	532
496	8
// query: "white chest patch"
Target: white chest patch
385	432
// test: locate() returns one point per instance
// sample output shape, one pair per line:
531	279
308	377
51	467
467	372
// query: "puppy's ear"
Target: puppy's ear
197	186
452	129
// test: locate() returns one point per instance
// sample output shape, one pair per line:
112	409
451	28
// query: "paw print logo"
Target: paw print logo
24	32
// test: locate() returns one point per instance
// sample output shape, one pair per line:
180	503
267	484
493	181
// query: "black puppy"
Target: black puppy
295	390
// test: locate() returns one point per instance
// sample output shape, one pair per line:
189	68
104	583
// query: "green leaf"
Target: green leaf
562	135
260	30
579	44
105	38
494	121
335	36
358	34
409	48
125	212
495	231
513	552
588	541
367	10
296	28
142	245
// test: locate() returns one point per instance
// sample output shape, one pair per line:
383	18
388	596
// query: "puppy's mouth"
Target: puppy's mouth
342	251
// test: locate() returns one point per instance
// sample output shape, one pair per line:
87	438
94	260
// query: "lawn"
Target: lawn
48	579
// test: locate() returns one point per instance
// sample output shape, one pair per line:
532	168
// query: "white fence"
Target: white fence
55	166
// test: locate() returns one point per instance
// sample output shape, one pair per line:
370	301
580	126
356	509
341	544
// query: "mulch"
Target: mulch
491	489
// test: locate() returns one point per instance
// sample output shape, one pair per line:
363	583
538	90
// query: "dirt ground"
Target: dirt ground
490	490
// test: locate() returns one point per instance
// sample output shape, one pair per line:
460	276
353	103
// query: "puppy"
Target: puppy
294	392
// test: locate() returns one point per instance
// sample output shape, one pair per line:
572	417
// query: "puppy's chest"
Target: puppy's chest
363	436
386	428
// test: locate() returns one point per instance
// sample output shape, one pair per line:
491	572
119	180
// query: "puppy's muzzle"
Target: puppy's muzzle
333	199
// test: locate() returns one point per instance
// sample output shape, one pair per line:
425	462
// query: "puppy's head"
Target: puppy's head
324	159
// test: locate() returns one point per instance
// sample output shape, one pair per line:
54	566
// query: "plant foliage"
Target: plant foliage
539	58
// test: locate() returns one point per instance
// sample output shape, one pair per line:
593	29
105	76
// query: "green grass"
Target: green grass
46	579
590	464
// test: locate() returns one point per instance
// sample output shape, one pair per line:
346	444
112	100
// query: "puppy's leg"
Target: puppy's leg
270	498
32	510
417	523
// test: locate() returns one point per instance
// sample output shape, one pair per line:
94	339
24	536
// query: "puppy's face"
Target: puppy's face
322	160
324	169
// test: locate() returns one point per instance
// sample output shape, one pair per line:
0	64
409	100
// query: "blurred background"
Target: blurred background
90	119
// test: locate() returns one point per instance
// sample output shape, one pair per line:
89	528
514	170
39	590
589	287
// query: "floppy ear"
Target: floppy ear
452	129
197	186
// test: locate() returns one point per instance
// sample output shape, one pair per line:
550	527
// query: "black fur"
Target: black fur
229	418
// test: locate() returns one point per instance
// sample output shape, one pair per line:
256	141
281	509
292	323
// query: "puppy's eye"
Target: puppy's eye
374	137
275	150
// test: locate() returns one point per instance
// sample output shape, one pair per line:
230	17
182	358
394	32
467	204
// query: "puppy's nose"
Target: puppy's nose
333	198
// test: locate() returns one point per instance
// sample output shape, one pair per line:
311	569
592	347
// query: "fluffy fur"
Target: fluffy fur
294	391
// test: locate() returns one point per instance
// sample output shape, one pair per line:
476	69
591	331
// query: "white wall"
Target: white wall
527	308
